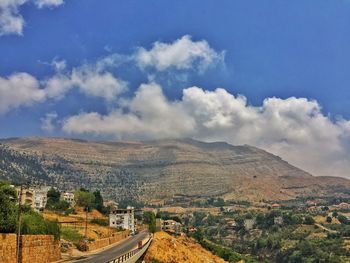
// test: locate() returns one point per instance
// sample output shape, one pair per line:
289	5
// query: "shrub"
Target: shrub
34	224
82	246
343	219
100	221
308	220
71	234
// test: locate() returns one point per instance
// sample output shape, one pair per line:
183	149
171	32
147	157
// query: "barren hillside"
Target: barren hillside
161	169
169	249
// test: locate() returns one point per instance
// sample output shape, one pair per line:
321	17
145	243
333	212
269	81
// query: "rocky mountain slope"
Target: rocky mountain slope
161	170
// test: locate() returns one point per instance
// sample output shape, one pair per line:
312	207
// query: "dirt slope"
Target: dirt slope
169	249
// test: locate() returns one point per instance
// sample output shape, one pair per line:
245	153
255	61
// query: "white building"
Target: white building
33	197
40	198
123	218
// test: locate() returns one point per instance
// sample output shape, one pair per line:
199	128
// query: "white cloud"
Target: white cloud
181	54
11	21
97	84
294	128
48	3
23	89
150	115
91	79
58	65
47	123
19	89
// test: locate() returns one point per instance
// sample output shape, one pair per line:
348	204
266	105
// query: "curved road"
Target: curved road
113	252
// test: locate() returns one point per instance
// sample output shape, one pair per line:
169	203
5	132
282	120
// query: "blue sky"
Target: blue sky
262	49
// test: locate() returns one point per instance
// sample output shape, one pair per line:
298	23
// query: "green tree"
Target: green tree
8	197
53	201
84	199
99	202
308	220
53	195
150	219
343	219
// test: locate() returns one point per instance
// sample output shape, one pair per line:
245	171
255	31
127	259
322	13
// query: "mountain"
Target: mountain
161	170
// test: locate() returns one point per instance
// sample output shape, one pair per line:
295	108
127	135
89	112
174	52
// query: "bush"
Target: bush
343	219
71	234
308	220
34	224
100	221
82	246
61	206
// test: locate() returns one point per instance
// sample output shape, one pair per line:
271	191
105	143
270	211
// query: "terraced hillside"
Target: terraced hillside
160	170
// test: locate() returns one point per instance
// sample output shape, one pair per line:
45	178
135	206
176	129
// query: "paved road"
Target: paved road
115	251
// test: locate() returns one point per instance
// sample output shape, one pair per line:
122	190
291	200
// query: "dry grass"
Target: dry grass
93	231
168	249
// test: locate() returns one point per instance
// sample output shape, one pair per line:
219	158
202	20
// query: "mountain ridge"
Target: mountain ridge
157	170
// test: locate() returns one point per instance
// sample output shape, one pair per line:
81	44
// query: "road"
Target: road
118	250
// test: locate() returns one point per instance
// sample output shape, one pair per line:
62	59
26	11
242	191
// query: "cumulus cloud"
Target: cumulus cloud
293	128
93	80
150	115
19	89
97	84
182	54
11	21
47	123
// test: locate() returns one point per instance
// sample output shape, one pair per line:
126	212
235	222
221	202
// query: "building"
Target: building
343	206
168	225
192	229
275	206
123	218
278	220
68	197
40	198
27	196
249	224
110	203
310	203
171	226
231	224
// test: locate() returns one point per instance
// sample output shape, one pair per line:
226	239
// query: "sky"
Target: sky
272	74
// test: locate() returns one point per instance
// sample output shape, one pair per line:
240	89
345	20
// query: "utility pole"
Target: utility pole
86	219
19	225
